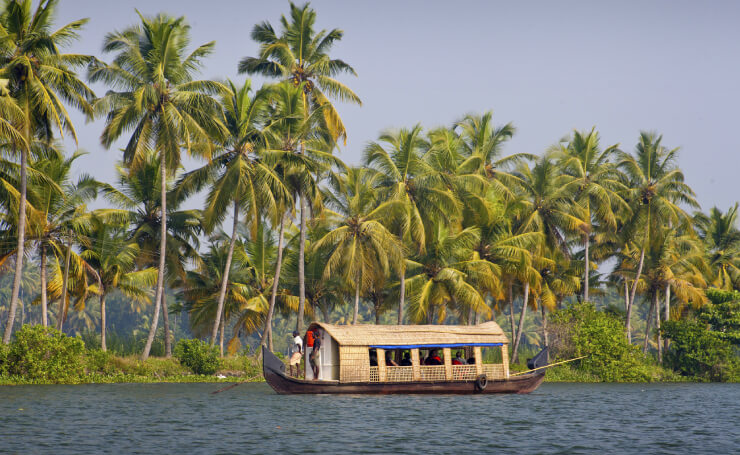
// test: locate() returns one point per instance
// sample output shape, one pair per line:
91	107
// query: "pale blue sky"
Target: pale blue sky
548	67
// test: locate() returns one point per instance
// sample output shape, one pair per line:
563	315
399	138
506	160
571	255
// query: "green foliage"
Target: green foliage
198	356
4	351
699	352
581	330
718	296
43	353
723	319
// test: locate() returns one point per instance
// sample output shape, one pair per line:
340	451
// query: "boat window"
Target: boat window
373	357
491	354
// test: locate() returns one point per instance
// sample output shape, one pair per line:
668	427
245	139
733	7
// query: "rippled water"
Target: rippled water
187	419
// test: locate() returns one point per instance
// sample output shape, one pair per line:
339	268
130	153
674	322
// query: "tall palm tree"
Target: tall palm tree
300	55
138	195
158	99
482	142
721	236
112	254
238	176
39	77
404	175
595	184
64	218
361	248
299	147
655	190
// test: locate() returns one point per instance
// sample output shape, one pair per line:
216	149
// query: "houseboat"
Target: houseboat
384	359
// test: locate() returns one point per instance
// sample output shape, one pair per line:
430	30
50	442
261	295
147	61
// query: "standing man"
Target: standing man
314	356
296	353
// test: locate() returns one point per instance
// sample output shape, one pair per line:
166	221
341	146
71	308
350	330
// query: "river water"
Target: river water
187	419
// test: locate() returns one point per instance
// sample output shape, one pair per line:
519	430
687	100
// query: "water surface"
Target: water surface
187	419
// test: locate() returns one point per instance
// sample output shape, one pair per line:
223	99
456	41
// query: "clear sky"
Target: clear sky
548	67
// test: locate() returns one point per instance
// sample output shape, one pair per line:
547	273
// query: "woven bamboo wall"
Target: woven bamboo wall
494	371
415	364
354	364
505	359
448	363
381	365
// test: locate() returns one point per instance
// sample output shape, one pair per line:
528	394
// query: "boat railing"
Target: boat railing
432	372
463	372
400	374
494	370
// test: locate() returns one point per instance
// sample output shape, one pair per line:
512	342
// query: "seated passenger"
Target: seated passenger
433	358
389	362
406	360
459	359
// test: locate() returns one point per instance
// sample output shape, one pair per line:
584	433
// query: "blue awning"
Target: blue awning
427	346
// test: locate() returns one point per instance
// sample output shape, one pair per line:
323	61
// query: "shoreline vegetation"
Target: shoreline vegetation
593	250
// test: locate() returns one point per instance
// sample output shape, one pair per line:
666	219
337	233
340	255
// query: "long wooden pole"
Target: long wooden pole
548	366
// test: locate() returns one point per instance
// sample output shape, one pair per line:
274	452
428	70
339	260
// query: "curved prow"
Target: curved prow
538	361
271	362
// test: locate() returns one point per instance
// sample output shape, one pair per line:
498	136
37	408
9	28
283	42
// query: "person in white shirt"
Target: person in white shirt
296	353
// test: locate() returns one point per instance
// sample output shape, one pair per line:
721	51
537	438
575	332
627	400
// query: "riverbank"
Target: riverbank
103	368
130	369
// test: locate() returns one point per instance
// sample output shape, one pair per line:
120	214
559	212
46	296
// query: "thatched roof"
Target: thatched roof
400	335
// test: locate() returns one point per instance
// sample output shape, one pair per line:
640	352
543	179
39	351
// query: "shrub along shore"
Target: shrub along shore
40	355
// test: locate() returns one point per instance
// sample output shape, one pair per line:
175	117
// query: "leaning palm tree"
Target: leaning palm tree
300	56
361	248
404	175
595	185
721	236
238	176
655	191
111	253
39	78
299	148
156	97
138	195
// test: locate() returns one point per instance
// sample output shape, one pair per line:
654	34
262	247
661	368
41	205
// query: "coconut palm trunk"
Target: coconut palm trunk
62	316
44	302
357	300
267	333
166	327
628	322
511	310
520	329
402	297
586	271
103	344
545	335
19	251
302	266
651	311
225	280
667	311
221	338
162	251
657	326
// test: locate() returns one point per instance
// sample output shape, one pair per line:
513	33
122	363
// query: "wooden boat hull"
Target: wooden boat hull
274	372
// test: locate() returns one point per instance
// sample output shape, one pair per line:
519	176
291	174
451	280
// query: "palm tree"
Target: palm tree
361	248
482	144
447	277
112	255
404	175
239	175
299	147
721	238
595	184
63	217
165	107
39	78
300	55
138	194
655	190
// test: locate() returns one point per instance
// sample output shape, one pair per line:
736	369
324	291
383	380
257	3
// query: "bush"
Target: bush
4	351
582	330
45	354
198	356
100	362
699	352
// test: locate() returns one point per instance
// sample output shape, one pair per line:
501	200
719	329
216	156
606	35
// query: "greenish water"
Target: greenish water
187	419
